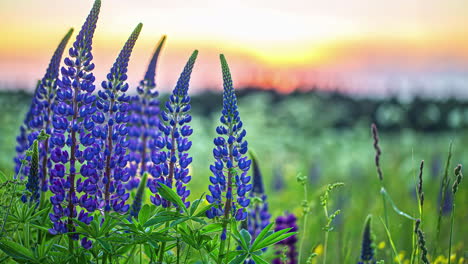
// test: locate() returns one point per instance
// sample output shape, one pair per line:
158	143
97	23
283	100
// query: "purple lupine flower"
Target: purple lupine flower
112	117
144	120
38	116
231	163
72	129
172	161
259	216
282	222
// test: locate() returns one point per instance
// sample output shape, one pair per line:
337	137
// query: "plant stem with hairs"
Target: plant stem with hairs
324	202
305	211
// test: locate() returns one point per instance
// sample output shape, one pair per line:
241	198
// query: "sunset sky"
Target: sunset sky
360	46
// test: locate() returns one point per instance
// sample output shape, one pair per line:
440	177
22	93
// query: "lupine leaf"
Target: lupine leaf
161	218
17	251
169	194
259	260
211	228
262	235
273	239
239	259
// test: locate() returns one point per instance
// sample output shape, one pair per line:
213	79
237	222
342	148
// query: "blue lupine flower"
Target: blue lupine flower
231	163
38	116
258	215
73	129
367	251
112	117
144	120
172	161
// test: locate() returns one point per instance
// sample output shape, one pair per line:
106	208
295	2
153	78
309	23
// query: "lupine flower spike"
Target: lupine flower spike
112	117
231	165
144	120
367	248
72	127
282	222
259	216
40	113
172	161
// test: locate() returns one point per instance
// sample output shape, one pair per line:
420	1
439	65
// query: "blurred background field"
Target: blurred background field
326	136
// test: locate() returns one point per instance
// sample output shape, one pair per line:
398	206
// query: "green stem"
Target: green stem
301	246
452	214
395	252
444	185
325	243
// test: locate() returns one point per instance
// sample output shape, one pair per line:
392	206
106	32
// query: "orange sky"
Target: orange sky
361	46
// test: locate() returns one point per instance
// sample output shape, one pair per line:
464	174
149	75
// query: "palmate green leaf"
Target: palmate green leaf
180	220
105	244
161	218
169	194
194	206
211	228
259	260
262	234
245	239
202	212
144	213
239	259
17	251
273	239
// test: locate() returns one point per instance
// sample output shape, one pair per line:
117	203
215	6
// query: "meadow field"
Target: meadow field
304	134
346	144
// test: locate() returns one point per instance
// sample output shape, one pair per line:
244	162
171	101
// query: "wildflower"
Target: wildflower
172	161
282	222
39	115
72	128
258	216
112	117
144	120
231	165
367	251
